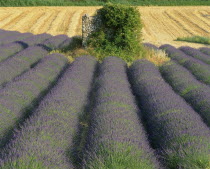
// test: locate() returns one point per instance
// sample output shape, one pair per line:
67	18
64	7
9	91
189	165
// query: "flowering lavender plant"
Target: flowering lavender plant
176	131
21	95
36	39
4	34
9	50
198	68
195	53
116	136
149	45
14	38
186	85
46	136
19	63
65	43
205	50
54	42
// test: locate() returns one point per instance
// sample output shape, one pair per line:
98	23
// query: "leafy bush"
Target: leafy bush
118	32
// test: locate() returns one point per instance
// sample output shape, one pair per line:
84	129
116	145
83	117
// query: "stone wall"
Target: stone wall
89	24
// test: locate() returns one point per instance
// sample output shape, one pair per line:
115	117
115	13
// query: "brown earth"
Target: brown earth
162	25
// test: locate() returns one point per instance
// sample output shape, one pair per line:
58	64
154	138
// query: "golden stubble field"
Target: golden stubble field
161	24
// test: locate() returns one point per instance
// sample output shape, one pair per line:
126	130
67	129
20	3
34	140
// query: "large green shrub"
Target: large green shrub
118	33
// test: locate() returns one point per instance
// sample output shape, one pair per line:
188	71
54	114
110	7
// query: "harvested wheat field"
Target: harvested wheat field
161	24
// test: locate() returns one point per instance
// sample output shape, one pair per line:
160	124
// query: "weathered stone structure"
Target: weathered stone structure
89	24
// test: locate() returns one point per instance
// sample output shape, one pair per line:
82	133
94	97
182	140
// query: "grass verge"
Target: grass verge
118	156
102	2
195	39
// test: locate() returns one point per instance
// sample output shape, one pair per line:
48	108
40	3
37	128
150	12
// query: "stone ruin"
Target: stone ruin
89	24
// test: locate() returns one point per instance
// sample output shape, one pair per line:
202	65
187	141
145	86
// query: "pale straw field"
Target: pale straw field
161	24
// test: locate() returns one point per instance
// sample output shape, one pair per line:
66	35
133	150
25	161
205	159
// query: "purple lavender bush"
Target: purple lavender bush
19	63
14	38
184	83
198	68
2	31
195	53
149	45
54	42
36	39
175	130
65	43
205	50
5	34
9	50
45	137
23	93
116	138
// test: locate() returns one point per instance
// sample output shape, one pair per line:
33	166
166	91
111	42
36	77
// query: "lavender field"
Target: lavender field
90	115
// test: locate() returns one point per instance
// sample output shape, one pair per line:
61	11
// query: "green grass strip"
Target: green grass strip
195	39
119	156
7	3
22	163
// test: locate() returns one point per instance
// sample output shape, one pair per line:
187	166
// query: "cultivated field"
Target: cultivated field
90	115
161	24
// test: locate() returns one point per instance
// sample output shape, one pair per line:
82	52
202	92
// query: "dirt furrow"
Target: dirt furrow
62	29
190	21
73	23
164	25
23	22
182	24
48	21
201	18
151	27
176	27
32	22
10	18
57	22
4	16
205	15
11	25
39	23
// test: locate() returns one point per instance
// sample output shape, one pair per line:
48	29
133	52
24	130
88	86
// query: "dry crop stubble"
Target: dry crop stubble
74	23
24	21
161	24
40	22
57	21
185	31
199	19
48	25
8	19
12	23
197	28
63	28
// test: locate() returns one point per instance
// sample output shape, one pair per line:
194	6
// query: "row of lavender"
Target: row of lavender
20	63
16	58
115	132
115	137
189	73
17	98
12	42
198	68
184	77
176	131
196	93
45	137
49	129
